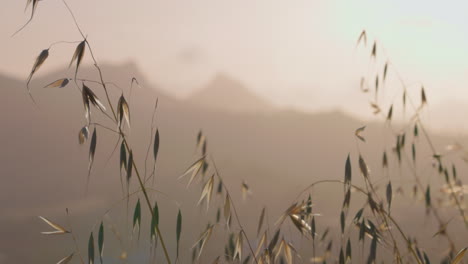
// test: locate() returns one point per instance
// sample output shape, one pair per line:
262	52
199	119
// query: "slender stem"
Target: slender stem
62	42
411	166
151	137
100	83
432	209
105	127
75	241
426	135
235	211
380	209
457	202
123	135
143	188
384	218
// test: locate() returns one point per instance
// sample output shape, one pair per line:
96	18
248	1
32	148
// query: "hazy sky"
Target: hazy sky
295	52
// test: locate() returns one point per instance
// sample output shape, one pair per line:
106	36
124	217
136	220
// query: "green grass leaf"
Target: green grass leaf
129	167
37	64
123	156
178	230
389	195
101	240
137	217
154	221
91	249
156	145
348	172
78	55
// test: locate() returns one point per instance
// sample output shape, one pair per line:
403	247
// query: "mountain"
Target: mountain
226	93
44	169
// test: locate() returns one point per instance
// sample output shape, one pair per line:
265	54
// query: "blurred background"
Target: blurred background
274	85
299	54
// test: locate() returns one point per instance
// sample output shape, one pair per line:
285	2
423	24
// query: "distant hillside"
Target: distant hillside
44	169
226	93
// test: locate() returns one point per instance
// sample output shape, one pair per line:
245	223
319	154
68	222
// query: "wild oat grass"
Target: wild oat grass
373	221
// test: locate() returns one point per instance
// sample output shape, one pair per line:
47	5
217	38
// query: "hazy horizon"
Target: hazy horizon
435	116
298	54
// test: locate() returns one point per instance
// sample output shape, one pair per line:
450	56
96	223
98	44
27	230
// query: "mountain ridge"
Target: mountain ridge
227	93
